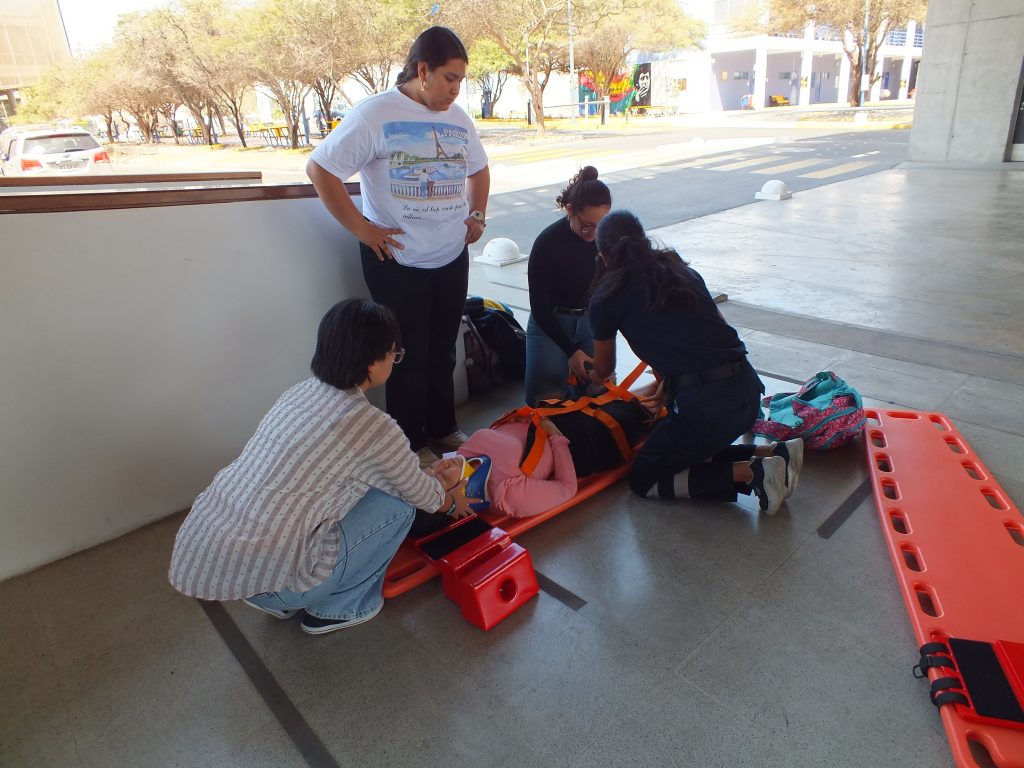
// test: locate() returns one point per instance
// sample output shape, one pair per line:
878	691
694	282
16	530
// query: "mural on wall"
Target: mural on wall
630	88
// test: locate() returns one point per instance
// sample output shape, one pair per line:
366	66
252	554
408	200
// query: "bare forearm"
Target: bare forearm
336	199
478	188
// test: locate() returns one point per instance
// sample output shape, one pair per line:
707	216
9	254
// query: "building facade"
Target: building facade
32	39
737	70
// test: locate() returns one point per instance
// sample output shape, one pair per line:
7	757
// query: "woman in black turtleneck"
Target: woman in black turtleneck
562	264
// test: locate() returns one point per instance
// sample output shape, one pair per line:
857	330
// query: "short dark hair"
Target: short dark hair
584	191
353	335
436	46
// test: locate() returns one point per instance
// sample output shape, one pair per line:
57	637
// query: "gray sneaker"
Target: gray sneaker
769	483
793	453
450	442
426	457
277	613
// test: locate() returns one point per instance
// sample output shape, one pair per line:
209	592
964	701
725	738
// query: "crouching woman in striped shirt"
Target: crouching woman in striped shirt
307	519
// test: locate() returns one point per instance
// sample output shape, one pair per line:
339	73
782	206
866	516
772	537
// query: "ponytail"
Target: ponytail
625	250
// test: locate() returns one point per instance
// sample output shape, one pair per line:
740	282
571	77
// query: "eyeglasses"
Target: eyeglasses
397	355
585	226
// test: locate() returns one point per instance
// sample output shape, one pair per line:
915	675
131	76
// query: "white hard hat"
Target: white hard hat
501	250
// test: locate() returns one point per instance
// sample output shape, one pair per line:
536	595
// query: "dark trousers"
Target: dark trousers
697	434
428	304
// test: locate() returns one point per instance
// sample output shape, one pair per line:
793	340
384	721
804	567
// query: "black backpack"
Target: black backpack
484	370
502	332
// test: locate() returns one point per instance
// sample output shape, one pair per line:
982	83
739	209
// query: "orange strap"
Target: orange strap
587	404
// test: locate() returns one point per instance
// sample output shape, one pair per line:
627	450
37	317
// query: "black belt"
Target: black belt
726	371
563	311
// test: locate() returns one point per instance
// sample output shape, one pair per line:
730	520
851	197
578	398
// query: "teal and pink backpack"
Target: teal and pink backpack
826	413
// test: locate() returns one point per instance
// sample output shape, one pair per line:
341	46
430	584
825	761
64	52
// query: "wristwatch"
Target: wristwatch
479	216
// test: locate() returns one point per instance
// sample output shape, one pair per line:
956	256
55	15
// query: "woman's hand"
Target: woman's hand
580	365
462	502
655	401
379	239
474	230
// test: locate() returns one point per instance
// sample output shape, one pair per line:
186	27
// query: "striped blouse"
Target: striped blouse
267	522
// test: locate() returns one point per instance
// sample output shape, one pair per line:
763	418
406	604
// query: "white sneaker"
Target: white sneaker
793	453
769	483
426	457
450	442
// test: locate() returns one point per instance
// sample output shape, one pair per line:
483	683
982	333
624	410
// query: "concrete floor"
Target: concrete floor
670	634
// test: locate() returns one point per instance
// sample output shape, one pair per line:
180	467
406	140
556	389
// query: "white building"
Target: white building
802	68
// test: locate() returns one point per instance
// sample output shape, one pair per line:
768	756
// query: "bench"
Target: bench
778	101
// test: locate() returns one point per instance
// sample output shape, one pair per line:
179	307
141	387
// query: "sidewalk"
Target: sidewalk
906	283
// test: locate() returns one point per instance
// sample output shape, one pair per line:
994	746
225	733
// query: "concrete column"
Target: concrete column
843	85
806	64
905	76
876	89
760	75
908	59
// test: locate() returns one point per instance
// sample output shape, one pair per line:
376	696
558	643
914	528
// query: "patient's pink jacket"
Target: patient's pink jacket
512	492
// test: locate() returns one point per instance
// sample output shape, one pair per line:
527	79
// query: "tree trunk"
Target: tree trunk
538	108
236	111
196	110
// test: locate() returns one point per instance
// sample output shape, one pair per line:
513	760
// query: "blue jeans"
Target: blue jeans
370	534
547	367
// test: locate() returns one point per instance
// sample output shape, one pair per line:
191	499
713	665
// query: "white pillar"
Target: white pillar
908	60
806	64
876	89
843	86
760	75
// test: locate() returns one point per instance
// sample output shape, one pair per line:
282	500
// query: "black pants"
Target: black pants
428	304
697	434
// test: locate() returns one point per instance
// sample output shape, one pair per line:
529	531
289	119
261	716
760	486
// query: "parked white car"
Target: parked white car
47	151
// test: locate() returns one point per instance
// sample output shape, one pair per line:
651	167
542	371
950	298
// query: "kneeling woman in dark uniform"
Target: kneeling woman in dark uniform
664	310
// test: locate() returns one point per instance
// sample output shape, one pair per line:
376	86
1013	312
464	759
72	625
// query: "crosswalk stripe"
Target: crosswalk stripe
745	163
551	154
707	160
825	173
788	167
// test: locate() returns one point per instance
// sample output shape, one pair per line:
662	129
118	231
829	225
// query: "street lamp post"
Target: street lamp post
573	89
864	58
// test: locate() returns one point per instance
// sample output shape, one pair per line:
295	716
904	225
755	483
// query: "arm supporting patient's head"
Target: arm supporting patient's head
353	335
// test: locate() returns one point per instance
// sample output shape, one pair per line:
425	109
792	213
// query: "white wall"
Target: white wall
138	350
968	81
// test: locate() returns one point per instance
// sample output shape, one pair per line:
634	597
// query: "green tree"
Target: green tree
50	98
490	67
379	40
322	30
528	32
211	55
153	61
847	18
280	58
652	26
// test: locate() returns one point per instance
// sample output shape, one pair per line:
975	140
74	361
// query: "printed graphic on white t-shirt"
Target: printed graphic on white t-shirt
426	165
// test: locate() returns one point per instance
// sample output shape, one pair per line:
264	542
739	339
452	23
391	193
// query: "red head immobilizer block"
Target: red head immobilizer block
482	570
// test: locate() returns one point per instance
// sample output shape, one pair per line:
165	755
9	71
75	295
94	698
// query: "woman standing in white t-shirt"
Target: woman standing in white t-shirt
413	233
